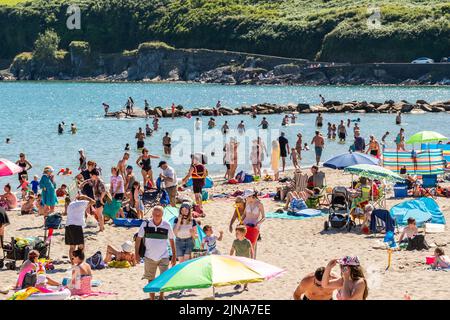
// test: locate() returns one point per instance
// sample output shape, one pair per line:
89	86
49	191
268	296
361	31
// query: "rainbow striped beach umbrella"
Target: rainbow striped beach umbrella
212	271
8	168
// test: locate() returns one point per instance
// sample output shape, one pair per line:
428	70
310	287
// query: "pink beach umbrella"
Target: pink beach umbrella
8	168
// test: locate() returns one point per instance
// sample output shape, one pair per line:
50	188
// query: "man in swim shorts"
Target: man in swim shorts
342	131
310	288
140	136
319	143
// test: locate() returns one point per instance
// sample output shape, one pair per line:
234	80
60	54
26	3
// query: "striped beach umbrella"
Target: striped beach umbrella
374	172
212	271
8	168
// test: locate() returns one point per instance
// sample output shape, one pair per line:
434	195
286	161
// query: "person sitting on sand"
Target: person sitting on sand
440	259
125	255
80	283
28	273
28	205
352	285
410	231
310	288
8	200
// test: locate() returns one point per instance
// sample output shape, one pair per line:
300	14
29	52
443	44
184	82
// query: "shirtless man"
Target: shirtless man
319	144
167	144
122	164
310	288
140	136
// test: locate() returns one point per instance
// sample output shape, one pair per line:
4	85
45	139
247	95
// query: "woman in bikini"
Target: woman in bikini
144	162
80	283
352	285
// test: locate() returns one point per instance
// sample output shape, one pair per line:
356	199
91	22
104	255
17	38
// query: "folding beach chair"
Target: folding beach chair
429	184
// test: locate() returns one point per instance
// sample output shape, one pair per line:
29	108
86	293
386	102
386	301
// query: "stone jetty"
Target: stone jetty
389	106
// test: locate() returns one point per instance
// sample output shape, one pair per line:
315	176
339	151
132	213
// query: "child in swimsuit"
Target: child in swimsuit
441	260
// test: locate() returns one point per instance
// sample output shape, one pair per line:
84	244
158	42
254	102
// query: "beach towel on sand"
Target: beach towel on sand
301	215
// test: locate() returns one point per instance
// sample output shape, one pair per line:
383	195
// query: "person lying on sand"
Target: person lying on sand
310	288
125	255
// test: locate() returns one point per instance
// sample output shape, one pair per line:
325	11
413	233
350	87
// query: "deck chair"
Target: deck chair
429	185
363	199
380	200
380	220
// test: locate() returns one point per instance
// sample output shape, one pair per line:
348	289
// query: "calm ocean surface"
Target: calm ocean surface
30	113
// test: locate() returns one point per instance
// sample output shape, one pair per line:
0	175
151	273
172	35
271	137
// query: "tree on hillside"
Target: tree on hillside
46	46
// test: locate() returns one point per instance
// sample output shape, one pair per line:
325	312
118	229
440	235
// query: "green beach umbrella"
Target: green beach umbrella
374	172
425	136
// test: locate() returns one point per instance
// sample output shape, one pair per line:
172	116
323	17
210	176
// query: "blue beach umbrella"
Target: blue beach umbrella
349	159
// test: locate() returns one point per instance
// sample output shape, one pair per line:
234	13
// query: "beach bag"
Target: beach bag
297	205
233	181
53	221
29	280
96	261
247	178
165	200
417	243
110	209
142	247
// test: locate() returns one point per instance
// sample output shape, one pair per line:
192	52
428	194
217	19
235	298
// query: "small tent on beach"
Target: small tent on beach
423	210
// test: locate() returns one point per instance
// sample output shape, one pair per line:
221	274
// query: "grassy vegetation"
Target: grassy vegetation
333	30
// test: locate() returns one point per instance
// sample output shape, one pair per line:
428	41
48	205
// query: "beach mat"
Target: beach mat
301	215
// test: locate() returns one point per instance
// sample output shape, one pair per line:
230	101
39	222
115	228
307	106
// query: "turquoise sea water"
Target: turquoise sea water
31	111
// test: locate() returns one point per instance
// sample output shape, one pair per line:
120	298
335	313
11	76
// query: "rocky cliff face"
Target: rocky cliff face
163	63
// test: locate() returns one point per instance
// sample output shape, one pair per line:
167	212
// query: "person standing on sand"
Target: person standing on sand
122	164
156	233
227	161
169	180
319	144
234	157
275	159
99	189
284	149
167	144
310	288
299	145
198	173
342	131
48	187
76	210
319	120
140	136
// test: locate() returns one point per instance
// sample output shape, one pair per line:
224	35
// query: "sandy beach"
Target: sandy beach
297	246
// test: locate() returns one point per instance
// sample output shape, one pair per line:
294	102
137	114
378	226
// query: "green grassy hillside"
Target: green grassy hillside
333	30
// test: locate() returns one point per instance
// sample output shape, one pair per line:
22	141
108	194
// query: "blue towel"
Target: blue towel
301	215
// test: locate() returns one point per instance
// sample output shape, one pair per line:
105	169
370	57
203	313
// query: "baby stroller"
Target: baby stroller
15	251
339	211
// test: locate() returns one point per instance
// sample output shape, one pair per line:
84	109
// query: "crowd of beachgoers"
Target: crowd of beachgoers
137	190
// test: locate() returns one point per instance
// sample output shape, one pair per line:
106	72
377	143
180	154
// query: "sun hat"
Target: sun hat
127	246
49	169
248	193
81	150
349	261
